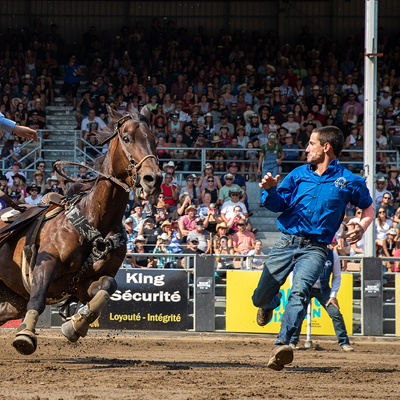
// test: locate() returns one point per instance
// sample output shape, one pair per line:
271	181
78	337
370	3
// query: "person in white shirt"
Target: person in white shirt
14	171
256	263
380	190
228	206
326	295
34	194
85	126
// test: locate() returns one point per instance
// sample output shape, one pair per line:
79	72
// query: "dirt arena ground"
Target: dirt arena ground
141	366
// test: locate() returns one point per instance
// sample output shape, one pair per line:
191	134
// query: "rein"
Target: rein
132	169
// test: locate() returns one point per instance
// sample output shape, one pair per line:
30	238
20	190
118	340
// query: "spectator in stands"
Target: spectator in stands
237	216
356	158
14	170
228	187
34	194
252	262
202	236
149	232
228	206
52	183
385	203
179	88
380	189
19	184
236	154
187	222
237	179
217	155
224	123
163	248
222	247
211	190
71	81
345	126
172	230
382	226
290	154
138	217
86	124
191	190
393	185
4	187
137	261
170	191
38	180
271	156
243	240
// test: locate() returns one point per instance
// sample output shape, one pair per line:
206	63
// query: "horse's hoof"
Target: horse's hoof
25	344
68	330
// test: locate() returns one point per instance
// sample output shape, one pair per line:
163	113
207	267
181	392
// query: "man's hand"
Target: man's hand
24	131
334	302
354	235
269	181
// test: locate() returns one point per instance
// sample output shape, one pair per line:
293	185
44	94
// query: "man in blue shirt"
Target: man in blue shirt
22	131
312	200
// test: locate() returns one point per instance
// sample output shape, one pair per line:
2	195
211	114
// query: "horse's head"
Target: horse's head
133	153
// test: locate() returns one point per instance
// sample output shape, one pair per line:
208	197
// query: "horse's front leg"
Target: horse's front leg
25	340
100	292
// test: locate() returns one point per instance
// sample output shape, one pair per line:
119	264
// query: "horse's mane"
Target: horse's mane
104	135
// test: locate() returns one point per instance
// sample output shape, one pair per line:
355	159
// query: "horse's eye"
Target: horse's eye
126	139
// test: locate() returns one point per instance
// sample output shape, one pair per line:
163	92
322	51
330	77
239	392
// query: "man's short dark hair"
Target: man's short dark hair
331	135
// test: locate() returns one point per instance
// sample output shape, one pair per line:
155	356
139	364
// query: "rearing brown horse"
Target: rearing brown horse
61	250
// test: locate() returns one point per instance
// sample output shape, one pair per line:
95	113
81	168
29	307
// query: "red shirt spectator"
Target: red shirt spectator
243	241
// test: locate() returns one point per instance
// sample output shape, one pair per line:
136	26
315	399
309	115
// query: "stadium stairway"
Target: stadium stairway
60	120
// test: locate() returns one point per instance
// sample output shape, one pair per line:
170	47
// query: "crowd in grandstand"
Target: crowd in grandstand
251	102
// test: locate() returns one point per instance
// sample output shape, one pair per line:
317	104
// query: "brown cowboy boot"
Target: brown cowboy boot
280	356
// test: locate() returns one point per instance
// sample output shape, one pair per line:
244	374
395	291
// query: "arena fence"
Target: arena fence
197	295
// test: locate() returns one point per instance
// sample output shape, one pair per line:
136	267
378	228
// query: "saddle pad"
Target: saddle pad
10	216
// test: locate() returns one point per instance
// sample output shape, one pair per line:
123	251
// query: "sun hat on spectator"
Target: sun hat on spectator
216	139
198	219
229	175
222	225
165	223
250	67
183	194
240	127
316	87
208	165
129	220
386	89
140	238
288	135
170	164
225	86
179	102
163	86
53	178
194	106
234	191
208	115
391	231
162	204
19	176
15	101
379	127
191	207
381	179
242	86
94	83
233	164
271	67
193	239
391	169
38	173
163	236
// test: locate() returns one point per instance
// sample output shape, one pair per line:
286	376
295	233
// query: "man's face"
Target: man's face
234	142
265	129
228	181
224	120
91	114
315	152
192	213
233	169
241	227
352	97
138	210
179	138
235	197
386	199
344	117
199	227
188	130
33	192
289	141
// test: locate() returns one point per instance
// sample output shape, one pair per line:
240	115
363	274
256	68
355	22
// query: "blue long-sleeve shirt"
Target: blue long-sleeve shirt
313	206
6	124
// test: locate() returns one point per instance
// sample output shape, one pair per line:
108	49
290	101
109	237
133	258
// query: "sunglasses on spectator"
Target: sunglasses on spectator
382	212
234	194
210	180
228	179
272	119
199	223
239	224
386	197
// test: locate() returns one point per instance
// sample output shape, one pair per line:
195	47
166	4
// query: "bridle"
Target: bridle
132	169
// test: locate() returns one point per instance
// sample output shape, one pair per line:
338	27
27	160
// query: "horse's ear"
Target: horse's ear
145	112
114	115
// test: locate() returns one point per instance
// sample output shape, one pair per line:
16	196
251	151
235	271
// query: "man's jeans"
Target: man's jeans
308	256
333	312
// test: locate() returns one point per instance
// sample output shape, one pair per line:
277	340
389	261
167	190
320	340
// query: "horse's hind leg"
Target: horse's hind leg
12	305
79	323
